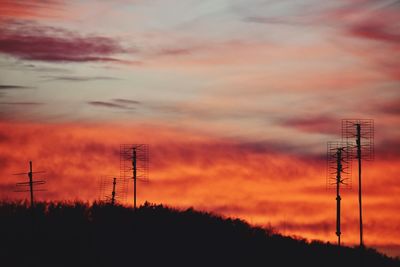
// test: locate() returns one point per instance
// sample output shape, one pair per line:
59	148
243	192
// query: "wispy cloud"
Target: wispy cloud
28	66
29	9
14	87
281	12
31	41
79	78
319	124
175	51
375	24
22	103
266	20
376	31
388	106
105	104
110	105
391	107
373	20
126	101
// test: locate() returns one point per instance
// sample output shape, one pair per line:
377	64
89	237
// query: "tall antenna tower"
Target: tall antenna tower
112	189
21	187
134	164
338	173
363	133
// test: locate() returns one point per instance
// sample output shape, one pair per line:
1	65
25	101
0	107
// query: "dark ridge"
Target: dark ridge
78	234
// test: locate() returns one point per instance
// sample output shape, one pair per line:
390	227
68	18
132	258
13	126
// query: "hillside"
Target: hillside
76	234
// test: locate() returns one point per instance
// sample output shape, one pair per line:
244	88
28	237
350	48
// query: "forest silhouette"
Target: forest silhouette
79	234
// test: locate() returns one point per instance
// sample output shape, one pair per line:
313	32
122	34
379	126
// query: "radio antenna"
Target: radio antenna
363	133
21	187
338	174
134	164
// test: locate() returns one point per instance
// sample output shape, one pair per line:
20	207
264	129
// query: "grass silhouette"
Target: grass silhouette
78	234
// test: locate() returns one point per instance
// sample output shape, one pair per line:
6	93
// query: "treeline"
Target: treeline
78	234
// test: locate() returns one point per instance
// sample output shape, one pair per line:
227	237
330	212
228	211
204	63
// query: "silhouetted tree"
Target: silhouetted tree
78	234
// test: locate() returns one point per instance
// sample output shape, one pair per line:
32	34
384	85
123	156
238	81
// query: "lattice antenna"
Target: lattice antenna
134	164
360	134
22	186
346	166
338	173
112	189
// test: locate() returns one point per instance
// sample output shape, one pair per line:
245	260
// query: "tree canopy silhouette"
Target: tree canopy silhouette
78	234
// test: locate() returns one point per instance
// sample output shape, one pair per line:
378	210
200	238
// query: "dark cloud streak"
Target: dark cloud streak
32	41
108	105
14	87
127	101
375	31
389	107
176	51
79	78
22	103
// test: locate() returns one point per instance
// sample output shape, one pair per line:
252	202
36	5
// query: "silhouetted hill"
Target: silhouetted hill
76	234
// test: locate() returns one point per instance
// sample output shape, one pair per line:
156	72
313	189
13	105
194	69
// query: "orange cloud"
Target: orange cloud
260	184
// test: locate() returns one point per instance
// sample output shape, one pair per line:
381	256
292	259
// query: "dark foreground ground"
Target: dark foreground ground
75	234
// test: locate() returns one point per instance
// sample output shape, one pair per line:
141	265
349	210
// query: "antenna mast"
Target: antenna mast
21	187
363	132
134	175
338	181
134	164
112	189
338	173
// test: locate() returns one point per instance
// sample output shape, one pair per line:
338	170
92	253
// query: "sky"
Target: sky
237	100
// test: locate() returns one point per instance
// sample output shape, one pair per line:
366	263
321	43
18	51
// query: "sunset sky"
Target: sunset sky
236	99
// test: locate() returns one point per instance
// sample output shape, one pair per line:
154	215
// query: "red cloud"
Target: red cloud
367	21
35	42
375	31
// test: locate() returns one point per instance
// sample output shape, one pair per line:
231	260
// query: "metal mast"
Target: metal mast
363	131
339	170
21	187
112	189
30	175
134	175
338	175
134	165
358	143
